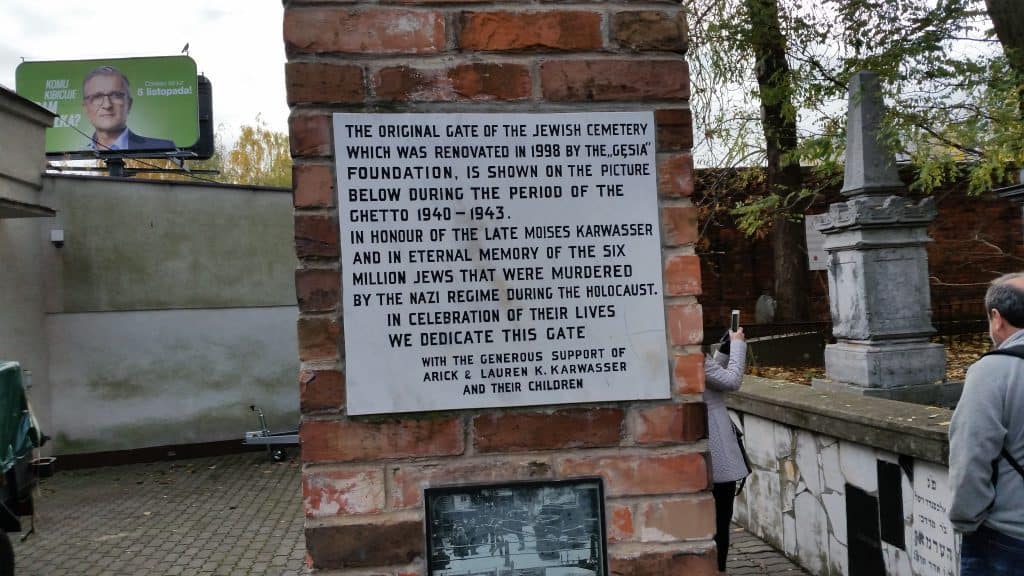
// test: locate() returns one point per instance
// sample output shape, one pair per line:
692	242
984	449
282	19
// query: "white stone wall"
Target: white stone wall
796	497
128	380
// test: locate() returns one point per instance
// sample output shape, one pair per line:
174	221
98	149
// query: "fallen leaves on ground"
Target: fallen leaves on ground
961	352
964	351
798	374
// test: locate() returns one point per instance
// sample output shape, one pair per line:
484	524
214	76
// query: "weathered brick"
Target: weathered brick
682	275
675	129
317	290
466	82
676	520
319	338
660	563
313	186
377	543
670	423
570	428
679	225
549	30
405	83
614	80
320	82
409	480
675	175
651	30
321	390
309	135
688	373
348	440
316	235
685	325
487	81
348	491
640	474
363	31
620	523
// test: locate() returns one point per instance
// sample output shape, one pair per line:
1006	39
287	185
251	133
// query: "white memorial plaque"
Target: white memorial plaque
499	260
933	552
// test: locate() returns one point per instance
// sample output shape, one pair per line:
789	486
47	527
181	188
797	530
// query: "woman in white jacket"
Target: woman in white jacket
723	373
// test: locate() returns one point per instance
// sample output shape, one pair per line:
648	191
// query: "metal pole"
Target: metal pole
115	167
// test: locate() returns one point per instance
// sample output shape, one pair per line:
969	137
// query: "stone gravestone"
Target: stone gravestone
878	270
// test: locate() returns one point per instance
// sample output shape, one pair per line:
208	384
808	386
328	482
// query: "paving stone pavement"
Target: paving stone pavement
228	515
750	555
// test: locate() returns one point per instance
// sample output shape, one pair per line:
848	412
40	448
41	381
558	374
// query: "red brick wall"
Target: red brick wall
975	240
363	477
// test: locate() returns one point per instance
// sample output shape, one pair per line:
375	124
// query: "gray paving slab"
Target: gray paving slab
750	556
238	514
200	516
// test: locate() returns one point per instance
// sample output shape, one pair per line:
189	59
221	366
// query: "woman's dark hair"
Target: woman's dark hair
1007	299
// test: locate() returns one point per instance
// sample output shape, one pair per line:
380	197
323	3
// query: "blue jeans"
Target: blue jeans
990	553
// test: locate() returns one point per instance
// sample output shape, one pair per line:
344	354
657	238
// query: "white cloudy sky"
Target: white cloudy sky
236	43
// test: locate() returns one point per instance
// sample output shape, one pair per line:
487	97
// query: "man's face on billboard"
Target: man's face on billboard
107	103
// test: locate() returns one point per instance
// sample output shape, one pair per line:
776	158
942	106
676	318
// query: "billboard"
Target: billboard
123	104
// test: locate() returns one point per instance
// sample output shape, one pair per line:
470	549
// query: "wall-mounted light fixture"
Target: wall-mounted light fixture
57	237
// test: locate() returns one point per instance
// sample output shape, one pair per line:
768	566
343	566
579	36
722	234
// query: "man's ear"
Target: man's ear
996	320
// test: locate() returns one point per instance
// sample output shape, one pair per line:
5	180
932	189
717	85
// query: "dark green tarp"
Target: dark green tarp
19	433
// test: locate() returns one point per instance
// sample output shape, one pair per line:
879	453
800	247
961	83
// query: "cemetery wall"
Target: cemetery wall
844	484
974	239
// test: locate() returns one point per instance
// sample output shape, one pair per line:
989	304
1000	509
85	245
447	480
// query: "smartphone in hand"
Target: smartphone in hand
735	323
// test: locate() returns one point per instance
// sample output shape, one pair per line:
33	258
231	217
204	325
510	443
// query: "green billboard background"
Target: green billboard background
164	98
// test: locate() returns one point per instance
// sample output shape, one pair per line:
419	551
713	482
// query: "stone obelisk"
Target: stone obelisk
878	270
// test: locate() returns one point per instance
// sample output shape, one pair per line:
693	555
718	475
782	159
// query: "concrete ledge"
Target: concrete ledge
944	394
899	427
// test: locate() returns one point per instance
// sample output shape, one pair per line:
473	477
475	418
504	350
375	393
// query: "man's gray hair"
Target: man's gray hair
1007	299
107	71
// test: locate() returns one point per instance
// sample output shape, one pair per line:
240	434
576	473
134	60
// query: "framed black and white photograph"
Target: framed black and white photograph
551	528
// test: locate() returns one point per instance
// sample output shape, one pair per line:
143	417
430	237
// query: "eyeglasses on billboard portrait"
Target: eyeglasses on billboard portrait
116	97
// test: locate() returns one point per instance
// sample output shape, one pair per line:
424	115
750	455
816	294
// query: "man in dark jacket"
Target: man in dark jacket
107	101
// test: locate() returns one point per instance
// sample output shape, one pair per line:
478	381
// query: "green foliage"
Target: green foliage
753	214
953	99
258	157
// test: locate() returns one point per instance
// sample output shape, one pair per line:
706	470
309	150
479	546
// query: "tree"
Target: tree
1008	24
782	171
259	157
949	97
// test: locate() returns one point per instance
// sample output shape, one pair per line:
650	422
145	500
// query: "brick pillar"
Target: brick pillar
363	477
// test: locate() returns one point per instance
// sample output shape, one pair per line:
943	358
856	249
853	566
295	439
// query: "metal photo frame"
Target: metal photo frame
550	528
